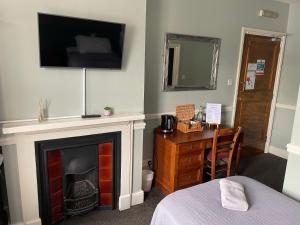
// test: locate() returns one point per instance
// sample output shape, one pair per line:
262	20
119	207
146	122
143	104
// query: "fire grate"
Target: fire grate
80	189
81	197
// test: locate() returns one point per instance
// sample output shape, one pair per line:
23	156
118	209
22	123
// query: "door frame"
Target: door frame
267	33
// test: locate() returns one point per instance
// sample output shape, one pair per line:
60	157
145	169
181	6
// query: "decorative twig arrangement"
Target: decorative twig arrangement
43	109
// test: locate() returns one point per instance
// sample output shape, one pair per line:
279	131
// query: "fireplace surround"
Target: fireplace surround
78	174
19	154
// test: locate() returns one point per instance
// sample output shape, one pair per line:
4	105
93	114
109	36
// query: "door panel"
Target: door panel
253	106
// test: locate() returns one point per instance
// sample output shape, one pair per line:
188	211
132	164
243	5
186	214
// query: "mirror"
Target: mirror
190	62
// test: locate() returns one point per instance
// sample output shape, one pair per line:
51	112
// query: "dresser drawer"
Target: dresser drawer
190	161
189	178
191	147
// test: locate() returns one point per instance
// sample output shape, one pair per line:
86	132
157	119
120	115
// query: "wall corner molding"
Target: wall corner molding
282	153
139	125
295	149
137	198
154	116
286	106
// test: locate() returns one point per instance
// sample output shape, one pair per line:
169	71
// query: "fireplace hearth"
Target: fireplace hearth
77	175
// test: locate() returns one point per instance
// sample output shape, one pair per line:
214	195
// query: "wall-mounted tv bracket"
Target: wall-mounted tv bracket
84	114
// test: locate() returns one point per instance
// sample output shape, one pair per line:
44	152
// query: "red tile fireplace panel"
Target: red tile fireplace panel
105	174
55	185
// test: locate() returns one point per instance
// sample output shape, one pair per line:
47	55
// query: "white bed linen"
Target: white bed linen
201	205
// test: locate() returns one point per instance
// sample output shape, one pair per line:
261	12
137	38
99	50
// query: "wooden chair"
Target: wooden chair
225	148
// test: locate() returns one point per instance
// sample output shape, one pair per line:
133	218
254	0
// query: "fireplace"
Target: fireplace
20	153
78	174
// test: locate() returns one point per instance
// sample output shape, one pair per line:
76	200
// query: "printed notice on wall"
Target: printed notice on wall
250	76
213	113
252	67
260	69
250	80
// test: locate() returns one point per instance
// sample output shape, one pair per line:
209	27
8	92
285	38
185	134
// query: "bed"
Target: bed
201	205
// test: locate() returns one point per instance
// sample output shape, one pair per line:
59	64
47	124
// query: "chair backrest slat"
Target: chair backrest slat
225	137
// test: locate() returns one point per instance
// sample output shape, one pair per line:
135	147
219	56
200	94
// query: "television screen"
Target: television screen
82	43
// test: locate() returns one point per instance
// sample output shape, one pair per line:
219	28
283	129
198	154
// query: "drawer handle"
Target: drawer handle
189	177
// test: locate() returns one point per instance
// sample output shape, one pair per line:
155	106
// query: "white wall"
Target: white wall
214	18
23	82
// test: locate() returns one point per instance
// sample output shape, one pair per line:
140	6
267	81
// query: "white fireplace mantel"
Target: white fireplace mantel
35	126
20	160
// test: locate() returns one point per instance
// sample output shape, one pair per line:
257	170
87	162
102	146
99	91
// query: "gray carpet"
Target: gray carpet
266	168
136	215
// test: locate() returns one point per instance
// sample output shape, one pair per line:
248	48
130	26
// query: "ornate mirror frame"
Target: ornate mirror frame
176	49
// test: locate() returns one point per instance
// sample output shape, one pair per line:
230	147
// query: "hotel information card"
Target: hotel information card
213	113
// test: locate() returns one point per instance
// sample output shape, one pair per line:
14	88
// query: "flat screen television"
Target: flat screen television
80	43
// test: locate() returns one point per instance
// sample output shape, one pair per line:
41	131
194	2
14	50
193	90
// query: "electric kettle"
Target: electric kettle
167	123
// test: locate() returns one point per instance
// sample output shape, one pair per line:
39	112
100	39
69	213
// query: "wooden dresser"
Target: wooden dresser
179	159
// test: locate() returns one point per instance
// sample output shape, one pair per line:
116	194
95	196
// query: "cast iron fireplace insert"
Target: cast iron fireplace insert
77	175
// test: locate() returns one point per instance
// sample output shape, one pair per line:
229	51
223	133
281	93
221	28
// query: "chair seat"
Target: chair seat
221	155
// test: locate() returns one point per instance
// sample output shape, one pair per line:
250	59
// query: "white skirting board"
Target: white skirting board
283	153
137	198
124	202
34	222
295	149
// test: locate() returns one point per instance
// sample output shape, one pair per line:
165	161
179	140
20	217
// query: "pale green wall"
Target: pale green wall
213	18
23	82
295	139
149	138
290	76
289	81
138	160
282	128
292	175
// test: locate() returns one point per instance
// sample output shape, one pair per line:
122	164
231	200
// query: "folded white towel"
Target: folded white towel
233	195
